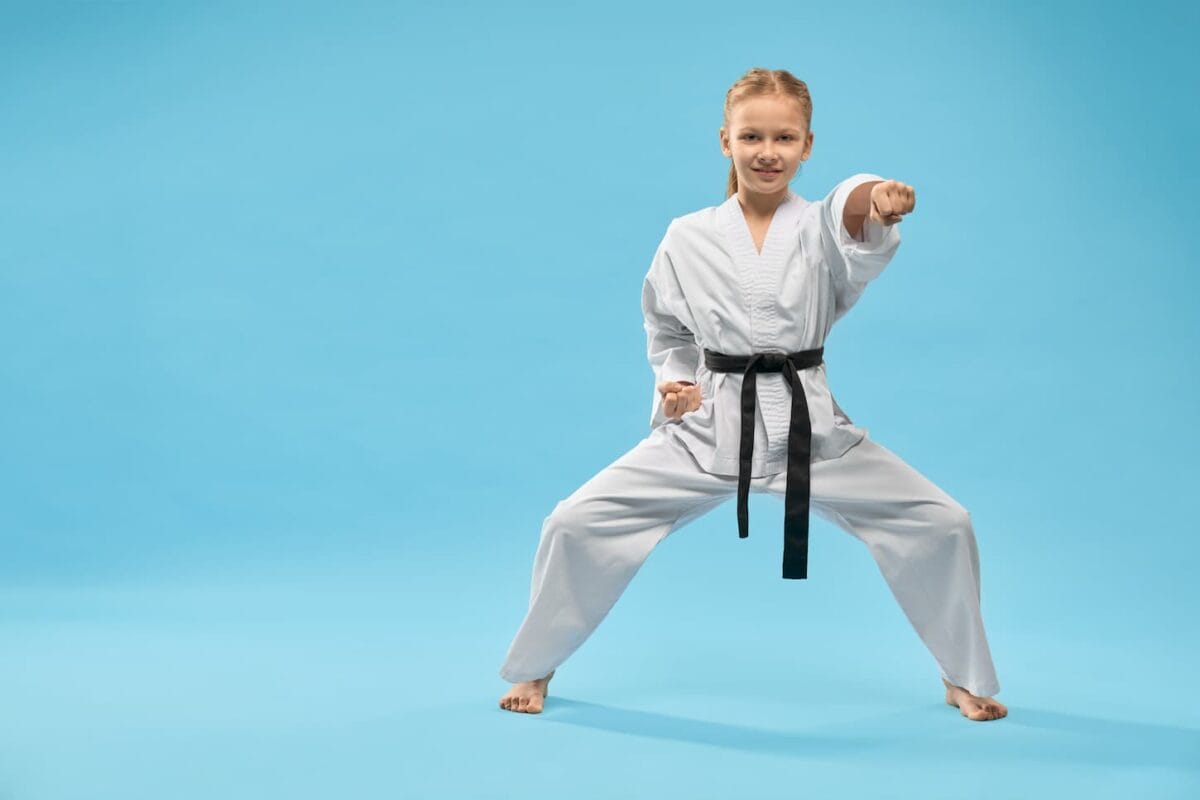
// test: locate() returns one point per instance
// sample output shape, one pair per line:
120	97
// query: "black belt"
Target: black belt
795	504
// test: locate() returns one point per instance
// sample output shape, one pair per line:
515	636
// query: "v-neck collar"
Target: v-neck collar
737	228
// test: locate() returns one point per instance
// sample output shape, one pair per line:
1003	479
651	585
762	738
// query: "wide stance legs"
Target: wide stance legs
594	542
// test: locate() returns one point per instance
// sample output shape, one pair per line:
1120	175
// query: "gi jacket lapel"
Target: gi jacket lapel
760	274
737	229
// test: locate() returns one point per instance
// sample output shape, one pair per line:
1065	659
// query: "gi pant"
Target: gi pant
594	542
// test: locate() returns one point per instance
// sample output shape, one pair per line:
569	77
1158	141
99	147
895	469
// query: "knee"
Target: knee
953	520
583	517
568	517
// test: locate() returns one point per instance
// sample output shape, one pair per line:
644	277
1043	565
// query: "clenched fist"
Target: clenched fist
679	397
891	200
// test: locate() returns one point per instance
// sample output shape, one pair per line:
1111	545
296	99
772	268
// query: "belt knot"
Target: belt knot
771	362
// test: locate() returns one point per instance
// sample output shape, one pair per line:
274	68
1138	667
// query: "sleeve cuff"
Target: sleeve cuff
876	236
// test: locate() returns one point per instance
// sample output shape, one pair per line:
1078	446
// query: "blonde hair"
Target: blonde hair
759	82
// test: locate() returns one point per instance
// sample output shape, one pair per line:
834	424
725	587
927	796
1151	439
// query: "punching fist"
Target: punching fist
679	397
891	200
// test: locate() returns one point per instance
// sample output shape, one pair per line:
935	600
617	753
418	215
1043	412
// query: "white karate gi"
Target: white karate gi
708	288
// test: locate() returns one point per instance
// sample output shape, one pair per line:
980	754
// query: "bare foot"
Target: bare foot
972	707
527	696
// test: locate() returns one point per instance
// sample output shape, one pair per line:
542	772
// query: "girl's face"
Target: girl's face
767	139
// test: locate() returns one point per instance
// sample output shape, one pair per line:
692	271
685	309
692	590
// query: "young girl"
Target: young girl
738	303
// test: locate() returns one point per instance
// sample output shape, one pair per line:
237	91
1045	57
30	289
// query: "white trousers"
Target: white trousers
594	542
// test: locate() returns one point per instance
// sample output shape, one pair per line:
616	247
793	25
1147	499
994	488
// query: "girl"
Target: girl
738	302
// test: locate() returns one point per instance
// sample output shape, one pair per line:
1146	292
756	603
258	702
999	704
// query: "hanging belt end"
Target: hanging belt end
795	572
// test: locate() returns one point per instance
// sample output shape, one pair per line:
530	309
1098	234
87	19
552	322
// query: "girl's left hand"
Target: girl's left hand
891	200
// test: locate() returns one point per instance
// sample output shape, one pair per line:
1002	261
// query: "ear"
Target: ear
724	144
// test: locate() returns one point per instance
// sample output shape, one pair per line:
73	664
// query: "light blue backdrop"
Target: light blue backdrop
311	313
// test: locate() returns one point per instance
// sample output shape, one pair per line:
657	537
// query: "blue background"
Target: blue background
310	315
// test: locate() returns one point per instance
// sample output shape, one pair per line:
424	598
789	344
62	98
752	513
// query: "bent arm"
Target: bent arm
671	348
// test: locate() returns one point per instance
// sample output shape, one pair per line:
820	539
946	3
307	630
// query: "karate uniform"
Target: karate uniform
709	289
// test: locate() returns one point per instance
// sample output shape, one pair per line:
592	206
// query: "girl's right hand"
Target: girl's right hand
679	397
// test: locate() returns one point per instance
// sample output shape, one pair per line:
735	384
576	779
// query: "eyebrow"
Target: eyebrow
749	128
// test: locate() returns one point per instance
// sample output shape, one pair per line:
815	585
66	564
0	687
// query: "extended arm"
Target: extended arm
858	207
857	248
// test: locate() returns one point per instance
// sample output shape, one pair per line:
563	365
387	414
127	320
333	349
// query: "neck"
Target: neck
760	204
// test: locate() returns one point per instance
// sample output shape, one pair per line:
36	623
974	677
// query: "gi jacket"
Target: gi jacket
708	288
